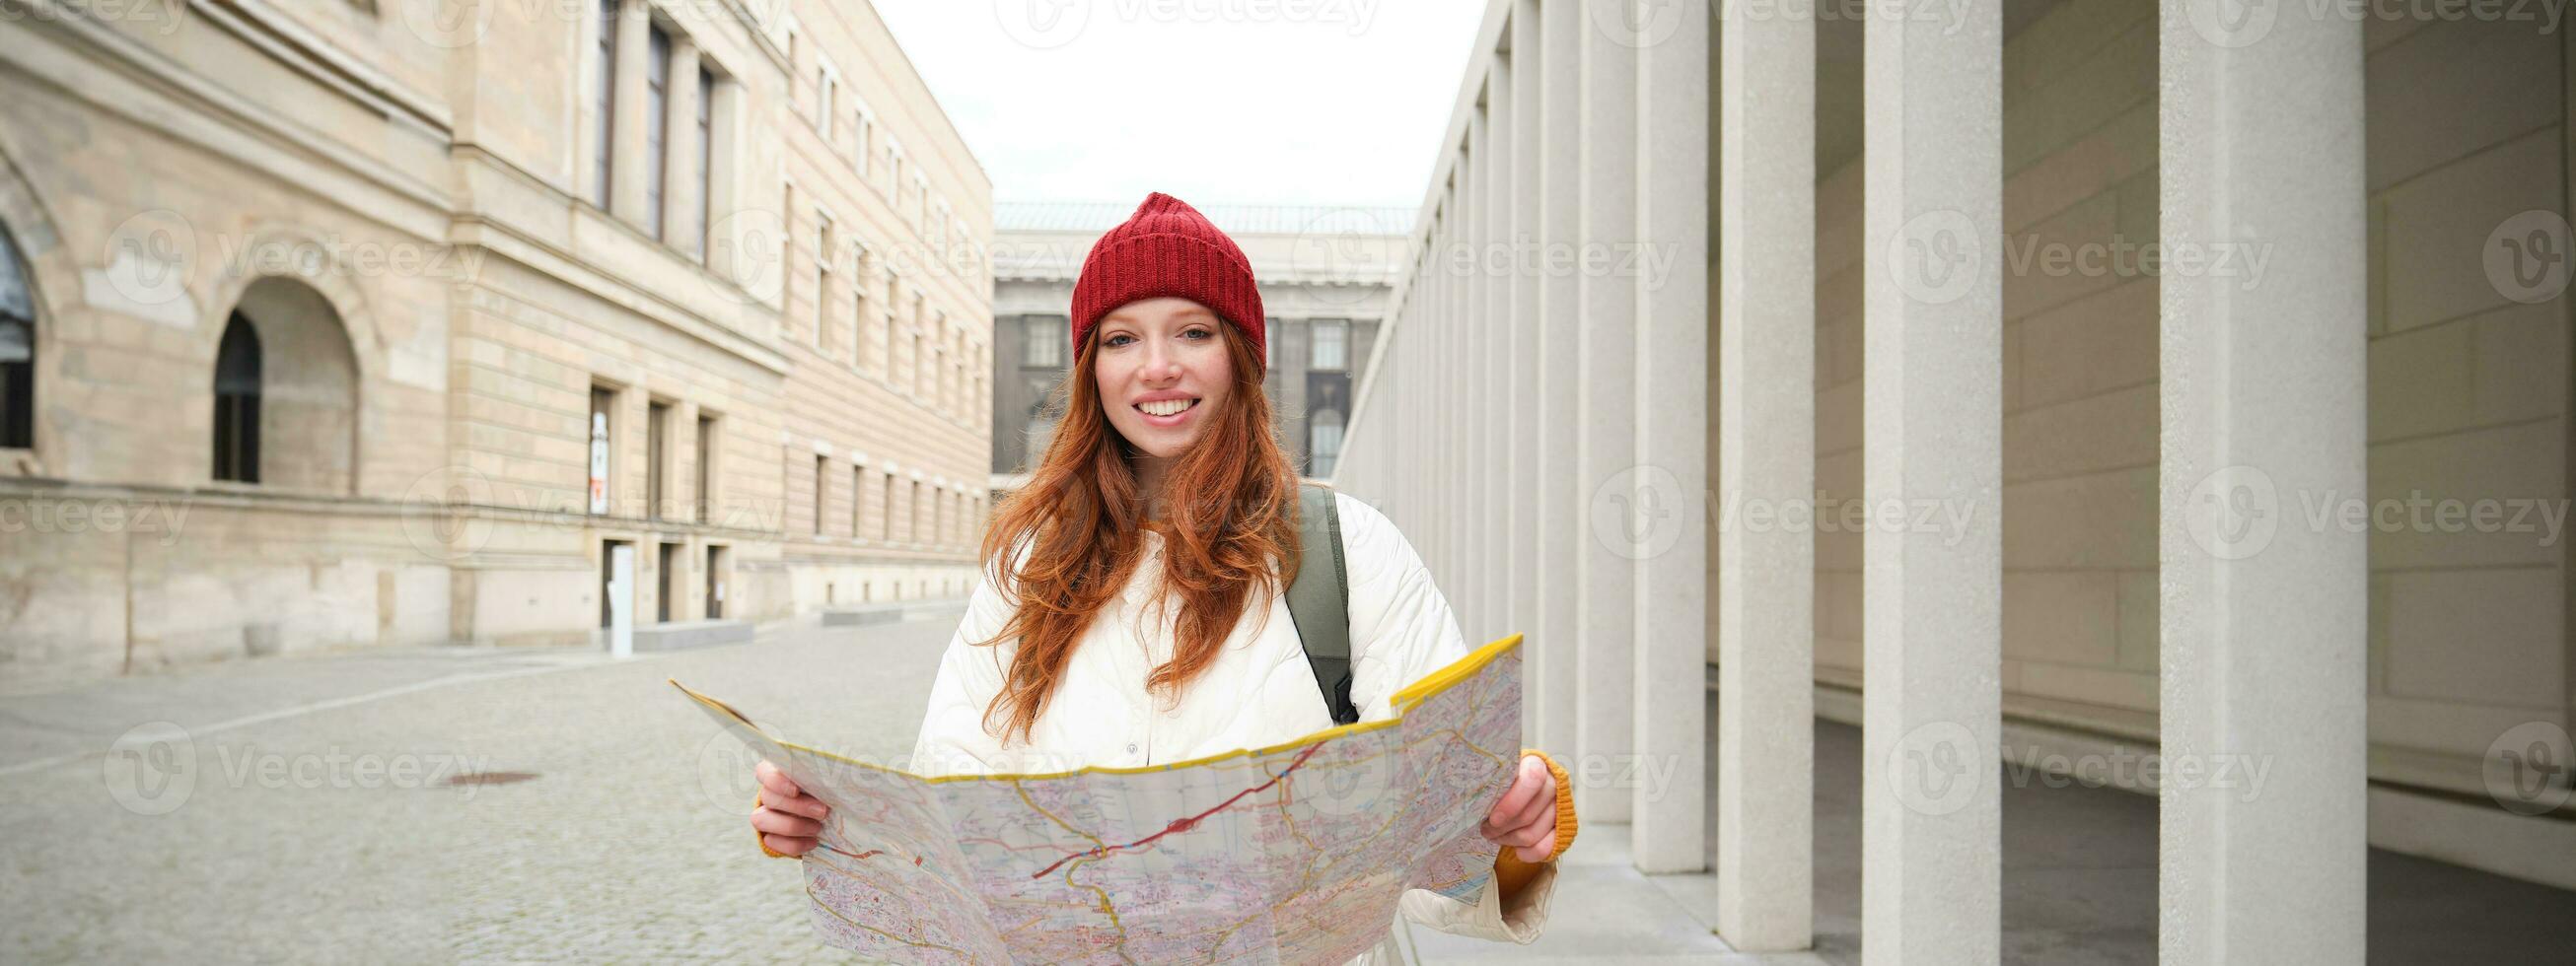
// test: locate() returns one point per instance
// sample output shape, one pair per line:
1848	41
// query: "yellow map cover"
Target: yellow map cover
1295	853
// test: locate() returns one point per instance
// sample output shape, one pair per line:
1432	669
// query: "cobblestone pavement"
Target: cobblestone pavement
309	808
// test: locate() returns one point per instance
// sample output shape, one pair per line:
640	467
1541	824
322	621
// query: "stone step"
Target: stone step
681	635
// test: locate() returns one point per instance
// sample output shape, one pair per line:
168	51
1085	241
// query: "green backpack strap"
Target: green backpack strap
1319	600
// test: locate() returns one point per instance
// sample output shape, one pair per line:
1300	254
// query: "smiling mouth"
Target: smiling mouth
1167	408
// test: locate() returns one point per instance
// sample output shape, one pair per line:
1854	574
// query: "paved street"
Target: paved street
317	809
314	810
627	842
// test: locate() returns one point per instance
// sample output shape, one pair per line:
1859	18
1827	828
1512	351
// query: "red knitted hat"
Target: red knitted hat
1168	248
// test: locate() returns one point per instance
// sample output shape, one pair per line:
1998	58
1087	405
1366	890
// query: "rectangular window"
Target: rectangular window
657	420
825	86
858	484
1332	345
823	258
706	492
606	101
666	570
822	490
706	156
603	424
885	509
858	307
920	506
861	135
657	99
1042	343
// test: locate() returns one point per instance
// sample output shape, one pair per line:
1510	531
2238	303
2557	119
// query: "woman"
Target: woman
1145	620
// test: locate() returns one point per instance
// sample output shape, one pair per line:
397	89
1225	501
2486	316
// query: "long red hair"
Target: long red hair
1229	532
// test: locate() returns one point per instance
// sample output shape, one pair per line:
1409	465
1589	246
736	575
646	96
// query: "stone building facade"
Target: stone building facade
350	324
1324	273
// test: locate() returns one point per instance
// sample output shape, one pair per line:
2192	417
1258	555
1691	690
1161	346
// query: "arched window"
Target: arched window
237	392
286	391
17	351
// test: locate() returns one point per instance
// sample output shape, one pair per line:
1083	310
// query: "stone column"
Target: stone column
1525	463
1560	518
629	195
2264	616
680	181
1671	388
1766	464
1932	415
1493	389
1605	407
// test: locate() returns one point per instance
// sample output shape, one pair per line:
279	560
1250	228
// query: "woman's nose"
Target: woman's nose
1161	365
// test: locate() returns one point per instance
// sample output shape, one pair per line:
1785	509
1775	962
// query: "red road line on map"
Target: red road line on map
1186	824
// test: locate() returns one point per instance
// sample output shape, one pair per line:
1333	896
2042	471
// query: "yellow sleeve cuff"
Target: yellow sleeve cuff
763	840
1510	870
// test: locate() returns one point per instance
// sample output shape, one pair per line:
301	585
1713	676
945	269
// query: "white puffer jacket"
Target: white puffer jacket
1259	692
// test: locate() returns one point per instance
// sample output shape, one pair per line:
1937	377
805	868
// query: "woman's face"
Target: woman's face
1163	371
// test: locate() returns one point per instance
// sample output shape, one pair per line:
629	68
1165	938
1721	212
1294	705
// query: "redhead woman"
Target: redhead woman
1132	609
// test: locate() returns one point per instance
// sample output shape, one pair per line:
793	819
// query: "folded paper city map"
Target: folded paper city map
1295	853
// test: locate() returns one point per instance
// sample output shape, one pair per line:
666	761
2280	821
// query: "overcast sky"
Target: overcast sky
1332	102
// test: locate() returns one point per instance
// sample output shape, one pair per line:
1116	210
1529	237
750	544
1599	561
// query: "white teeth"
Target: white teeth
1166	407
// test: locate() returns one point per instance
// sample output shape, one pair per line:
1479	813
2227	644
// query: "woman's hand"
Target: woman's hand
789	821
1525	820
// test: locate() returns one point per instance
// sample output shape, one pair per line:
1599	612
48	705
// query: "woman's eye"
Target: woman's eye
1199	334
1114	340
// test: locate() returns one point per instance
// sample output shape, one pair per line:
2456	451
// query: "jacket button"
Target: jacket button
1131	748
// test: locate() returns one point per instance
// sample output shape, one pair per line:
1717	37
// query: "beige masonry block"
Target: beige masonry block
2104	520
2046	265
2489	636
2068	617
2453	89
2138	221
2130	690
2140	637
2095	434
2465	728
2066	37
1838	418
2519	470
1838	221
1839	296
2438	225
2122	148
2111	78
2012	367
2089	346
2380	32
